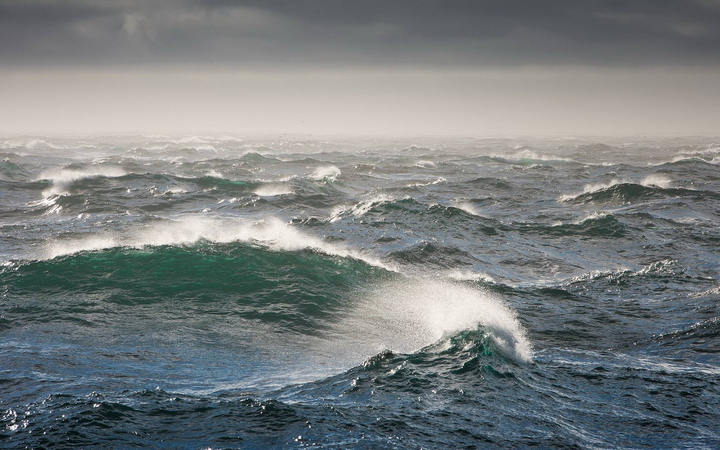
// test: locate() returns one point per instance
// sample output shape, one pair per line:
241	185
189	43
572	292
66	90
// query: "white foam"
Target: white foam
62	178
468	208
468	275
594	216
408	315
713	291
361	208
155	147
532	155
656	180
272	233
709	155
271	190
205	148
589	189
326	172
195	140
429	183
175	190
33	144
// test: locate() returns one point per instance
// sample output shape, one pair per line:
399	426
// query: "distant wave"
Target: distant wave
530	157
329	173
429	254
664	268
384	205
596	225
271	190
62	179
32	144
12	171
624	191
491	183
440	180
361	208
705	330
708	155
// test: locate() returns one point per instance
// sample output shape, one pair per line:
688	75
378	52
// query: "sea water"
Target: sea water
285	292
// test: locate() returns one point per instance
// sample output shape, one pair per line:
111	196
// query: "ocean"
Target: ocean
194	292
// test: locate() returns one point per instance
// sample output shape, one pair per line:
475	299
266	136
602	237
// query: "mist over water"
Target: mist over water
224	292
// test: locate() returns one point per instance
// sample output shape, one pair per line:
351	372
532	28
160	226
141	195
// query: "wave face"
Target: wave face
218	292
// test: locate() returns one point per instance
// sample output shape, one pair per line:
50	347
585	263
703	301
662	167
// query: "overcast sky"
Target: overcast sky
361	67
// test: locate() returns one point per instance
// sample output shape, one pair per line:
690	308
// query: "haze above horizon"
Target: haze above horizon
360	68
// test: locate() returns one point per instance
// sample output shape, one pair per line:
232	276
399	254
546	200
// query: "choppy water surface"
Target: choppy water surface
439	293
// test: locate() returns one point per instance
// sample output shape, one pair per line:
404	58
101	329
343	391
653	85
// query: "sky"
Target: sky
390	67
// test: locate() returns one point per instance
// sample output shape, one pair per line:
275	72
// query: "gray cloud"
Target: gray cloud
345	33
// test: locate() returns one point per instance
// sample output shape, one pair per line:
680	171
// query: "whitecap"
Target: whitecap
589	189
272	190
656	180
410	314
329	173
61	179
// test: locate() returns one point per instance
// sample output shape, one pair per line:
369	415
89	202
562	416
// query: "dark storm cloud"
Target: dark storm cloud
343	33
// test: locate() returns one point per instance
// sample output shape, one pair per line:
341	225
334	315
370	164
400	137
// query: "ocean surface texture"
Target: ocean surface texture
213	292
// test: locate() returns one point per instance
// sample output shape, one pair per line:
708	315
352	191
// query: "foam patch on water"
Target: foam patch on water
62	179
272	233
408	315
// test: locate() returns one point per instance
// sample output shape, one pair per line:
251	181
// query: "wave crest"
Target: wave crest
272	233
62	179
411	314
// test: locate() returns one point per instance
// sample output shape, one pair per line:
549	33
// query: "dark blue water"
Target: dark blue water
213	292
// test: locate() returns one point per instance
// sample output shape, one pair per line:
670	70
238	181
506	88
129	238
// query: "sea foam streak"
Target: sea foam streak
272	232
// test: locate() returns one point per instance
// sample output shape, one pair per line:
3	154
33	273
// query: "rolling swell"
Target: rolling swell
599	225
388	209
239	278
